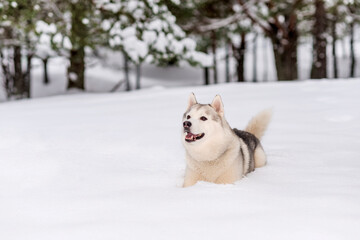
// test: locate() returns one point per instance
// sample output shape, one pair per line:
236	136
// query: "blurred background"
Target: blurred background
54	47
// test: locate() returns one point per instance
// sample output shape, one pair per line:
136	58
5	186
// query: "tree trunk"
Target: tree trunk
27	77
138	75
334	38
6	73
206	76
285	53
78	36
239	55
265	56
76	71
319	65
213	45
255	58
46	75
126	71
29	56
227	64
352	51
18	74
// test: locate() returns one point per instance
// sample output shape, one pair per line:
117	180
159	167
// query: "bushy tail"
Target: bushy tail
259	123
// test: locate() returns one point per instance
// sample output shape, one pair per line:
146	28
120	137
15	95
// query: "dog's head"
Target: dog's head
202	123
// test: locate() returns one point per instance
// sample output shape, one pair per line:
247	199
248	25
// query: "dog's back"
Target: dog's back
251	141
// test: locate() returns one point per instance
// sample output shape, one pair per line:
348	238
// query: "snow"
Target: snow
110	166
136	37
14	4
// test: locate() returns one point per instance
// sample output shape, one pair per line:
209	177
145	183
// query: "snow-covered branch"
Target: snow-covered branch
220	23
253	17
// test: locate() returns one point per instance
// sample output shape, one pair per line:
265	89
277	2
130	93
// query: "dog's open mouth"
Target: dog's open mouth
190	137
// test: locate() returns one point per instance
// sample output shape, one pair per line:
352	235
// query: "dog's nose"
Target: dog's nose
187	124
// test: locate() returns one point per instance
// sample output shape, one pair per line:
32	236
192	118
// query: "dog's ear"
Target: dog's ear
192	101
218	105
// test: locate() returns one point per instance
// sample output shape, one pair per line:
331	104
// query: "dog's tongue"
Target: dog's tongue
189	136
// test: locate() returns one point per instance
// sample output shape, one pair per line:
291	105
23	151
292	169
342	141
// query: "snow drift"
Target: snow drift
110	166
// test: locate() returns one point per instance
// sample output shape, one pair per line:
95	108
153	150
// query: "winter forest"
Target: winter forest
94	142
225	40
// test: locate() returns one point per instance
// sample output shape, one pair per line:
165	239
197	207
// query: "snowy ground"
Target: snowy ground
110	166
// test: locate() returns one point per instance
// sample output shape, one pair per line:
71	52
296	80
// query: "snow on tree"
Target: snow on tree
279	21
208	21
44	48
17	39
77	25
145	30
342	16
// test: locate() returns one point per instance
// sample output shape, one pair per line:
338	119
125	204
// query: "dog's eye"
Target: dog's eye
188	117
203	118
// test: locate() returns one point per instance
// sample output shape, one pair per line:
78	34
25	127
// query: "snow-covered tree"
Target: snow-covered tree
336	12
73	27
145	30
237	32
209	22
23	36
319	65
348	12
17	44
353	7
279	21
44	49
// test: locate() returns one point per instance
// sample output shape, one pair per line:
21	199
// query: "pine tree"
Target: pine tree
145	31
279	21
353	8
319	66
210	22
17	44
77	25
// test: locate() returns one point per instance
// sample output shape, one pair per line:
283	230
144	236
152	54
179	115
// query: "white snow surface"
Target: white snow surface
110	166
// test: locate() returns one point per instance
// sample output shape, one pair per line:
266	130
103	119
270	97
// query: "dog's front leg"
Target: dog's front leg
191	177
230	176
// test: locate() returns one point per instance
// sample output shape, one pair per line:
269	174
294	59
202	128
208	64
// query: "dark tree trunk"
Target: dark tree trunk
18	74
352	51
138	75
284	38
78	36
45	67
27	77
334	38
76	70
239	55
285	52
213	46
265	56
227	64
30	54
16	79
7	75
126	71
206	76
319	66
255	59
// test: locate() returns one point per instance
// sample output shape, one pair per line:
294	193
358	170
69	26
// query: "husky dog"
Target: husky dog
214	151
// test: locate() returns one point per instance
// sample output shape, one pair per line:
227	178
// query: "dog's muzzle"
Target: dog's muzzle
190	137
